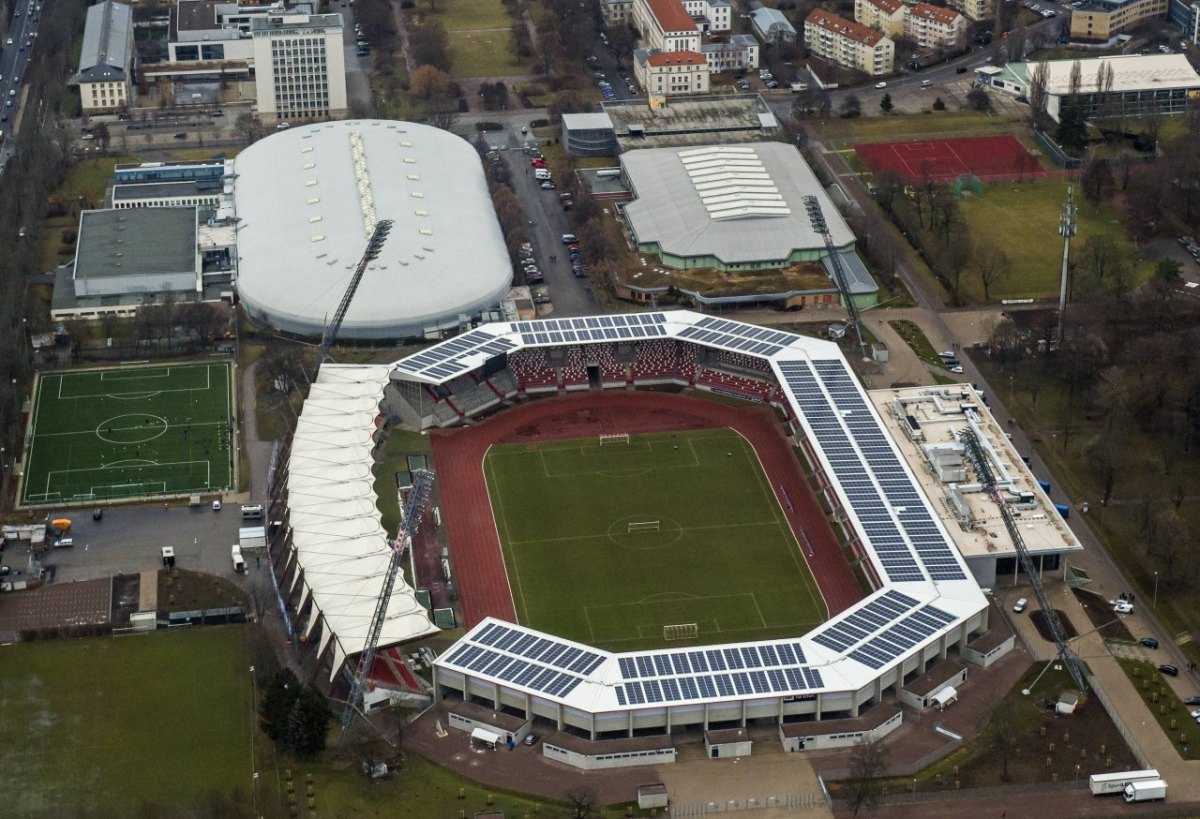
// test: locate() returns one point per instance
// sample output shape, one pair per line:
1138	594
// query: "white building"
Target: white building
665	25
935	26
973	10
885	16
671	73
848	43
710	15
740	53
106	59
299	67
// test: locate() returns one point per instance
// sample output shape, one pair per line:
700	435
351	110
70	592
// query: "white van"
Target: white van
239	565
252	511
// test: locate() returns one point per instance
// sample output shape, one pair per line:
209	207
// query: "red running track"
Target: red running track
467	511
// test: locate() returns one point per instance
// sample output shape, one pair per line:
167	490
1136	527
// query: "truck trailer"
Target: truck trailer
1106	783
1146	790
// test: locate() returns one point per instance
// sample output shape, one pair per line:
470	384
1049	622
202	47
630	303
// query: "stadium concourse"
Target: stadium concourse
925	600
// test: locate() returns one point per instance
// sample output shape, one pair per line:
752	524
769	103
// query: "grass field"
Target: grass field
1031	211
722	556
467	15
128	431
484	54
105	727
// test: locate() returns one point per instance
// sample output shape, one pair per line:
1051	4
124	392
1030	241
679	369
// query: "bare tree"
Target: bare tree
1037	89
867	763
582	801
992	265
1074	80
1005	732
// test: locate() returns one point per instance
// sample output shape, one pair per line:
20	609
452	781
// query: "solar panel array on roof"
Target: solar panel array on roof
726	683
596	328
530	660
932	545
446	360
890	644
847	463
875	615
762	655
736	336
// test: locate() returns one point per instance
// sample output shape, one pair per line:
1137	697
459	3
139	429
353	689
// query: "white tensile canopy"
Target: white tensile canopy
340	545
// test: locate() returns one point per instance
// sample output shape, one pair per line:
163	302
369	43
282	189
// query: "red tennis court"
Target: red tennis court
991	158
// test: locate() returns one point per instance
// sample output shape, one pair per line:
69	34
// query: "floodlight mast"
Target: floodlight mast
817	218
410	522
983	471
374	245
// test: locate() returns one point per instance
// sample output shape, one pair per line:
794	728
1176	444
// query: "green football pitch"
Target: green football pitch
608	544
128	432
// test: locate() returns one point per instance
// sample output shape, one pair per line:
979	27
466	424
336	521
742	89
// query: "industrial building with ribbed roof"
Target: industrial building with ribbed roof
307	199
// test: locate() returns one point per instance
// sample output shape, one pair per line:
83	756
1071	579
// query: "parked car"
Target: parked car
957	370
1169	670
1191	700
531	739
548	185
1020	605
1149	642
881	85
1122	606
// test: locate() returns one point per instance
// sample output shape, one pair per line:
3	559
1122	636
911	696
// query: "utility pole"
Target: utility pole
1066	229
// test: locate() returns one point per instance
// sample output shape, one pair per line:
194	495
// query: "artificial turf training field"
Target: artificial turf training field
129	431
722	557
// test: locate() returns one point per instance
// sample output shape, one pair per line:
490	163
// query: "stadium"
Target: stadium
307	199
893	597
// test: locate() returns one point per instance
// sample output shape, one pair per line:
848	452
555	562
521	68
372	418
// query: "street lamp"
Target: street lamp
1155	590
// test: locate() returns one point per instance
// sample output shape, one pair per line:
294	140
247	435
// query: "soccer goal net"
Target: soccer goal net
614	438
643	526
681	631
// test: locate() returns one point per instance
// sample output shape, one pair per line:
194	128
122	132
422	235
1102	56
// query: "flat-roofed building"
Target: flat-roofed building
665	25
106	59
1185	16
927	425
1141	84
589	135
143	250
671	73
772	26
299	67
935	26
848	43
885	16
1098	21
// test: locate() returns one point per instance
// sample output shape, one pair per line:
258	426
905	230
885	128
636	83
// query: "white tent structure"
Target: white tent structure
944	698
341	550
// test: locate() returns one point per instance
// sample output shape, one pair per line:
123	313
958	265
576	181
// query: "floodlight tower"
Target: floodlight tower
1066	229
374	245
813	207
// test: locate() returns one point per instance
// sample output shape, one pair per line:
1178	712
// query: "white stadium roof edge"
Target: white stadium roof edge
927	595
306	199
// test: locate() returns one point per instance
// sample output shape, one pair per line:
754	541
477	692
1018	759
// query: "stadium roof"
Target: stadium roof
1131	72
926	591
741	204
136	242
336	532
307	198
107	43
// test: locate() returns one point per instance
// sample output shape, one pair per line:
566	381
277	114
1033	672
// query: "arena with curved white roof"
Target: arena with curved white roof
926	599
307	198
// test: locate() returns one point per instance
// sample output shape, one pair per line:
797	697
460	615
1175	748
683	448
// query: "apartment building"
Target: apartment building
299	67
848	43
738	53
616	12
885	16
973	10
671	73
106	59
935	26
665	25
710	16
1099	20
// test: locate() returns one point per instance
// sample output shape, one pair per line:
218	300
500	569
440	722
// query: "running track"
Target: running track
467	512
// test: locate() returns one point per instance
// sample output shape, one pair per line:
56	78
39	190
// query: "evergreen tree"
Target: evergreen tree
308	723
885	104
277	699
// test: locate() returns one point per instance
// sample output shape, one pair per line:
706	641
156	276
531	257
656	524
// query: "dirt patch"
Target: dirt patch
710	281
1038	618
183	590
1103	619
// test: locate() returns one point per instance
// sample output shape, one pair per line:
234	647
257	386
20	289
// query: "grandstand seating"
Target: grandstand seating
610	370
657	360
504	383
575	371
444	414
753	388
530	369
742	361
475	398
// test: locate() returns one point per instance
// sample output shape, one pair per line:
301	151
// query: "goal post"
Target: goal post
681	631
614	438
636	526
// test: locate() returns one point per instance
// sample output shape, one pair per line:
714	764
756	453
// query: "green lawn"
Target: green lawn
936	124
128	431
1172	715
109	726
915	337
1022	219
468	15
484	54
721	556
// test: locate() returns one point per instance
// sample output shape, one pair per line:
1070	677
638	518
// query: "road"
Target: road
14	59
